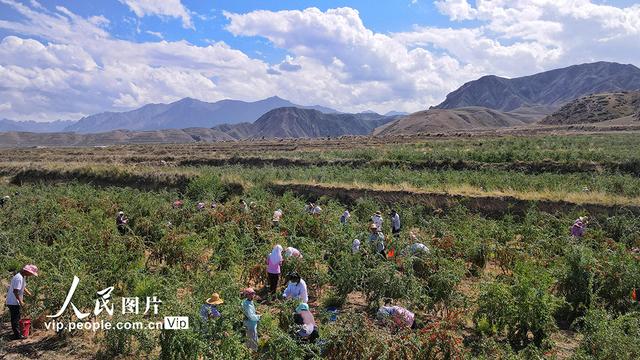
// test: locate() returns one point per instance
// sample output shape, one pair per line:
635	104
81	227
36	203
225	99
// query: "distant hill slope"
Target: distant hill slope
182	114
547	89
435	120
291	122
22	139
34	126
597	108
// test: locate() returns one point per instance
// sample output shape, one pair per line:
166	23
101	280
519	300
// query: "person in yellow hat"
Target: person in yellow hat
209	310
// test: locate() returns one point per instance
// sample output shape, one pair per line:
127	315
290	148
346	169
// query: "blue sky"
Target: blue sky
68	59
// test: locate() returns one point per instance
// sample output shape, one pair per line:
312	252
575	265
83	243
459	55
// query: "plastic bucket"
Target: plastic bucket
25	326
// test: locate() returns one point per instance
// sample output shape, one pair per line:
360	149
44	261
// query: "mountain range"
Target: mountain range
547	90
289	122
492	101
185	113
560	96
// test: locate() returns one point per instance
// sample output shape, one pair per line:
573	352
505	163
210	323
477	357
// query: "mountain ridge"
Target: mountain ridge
183	113
551	88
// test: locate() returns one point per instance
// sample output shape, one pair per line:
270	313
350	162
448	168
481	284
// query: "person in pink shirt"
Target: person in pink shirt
399	316
274	261
577	230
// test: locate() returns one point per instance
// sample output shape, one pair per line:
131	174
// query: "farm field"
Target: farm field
503	278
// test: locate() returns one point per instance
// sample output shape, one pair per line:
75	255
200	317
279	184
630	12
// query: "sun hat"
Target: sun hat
248	291
215	299
373	226
120	213
583	218
378	212
32	269
302	307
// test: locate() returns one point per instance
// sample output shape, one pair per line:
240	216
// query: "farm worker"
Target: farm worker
417	248
355	246
395	223
308	329
291	251
121	222
274	260
200	206
577	230
400	317
316	209
214	204
376	238
277	215
345	217
15	297
309	207
296	289
243	206
377	219
4	200
209	309
177	204
251	318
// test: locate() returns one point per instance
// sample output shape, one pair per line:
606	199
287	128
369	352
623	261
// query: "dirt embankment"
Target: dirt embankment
486	205
630	167
139	181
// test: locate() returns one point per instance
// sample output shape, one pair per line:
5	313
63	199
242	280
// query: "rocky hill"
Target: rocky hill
437	120
291	122
597	108
550	89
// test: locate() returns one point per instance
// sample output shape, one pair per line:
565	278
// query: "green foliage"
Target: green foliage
609	337
521	306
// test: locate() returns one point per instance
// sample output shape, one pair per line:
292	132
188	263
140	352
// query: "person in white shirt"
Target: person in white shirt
345	217
377	219
291	251
355	246
277	215
15	297
316	210
395	223
296	289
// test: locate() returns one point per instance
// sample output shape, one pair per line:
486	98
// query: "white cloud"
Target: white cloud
61	65
163	8
456	9
156	34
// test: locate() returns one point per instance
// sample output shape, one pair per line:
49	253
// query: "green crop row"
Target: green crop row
516	280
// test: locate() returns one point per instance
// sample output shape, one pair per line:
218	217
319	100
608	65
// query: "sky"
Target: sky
69	59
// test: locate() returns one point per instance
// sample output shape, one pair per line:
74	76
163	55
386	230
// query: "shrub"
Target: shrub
576	282
521	306
608	337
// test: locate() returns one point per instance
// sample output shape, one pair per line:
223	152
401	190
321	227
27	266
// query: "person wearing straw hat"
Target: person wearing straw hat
209	310
15	297
251	318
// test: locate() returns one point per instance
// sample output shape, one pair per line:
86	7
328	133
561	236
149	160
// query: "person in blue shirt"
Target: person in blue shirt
209	310
251	318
